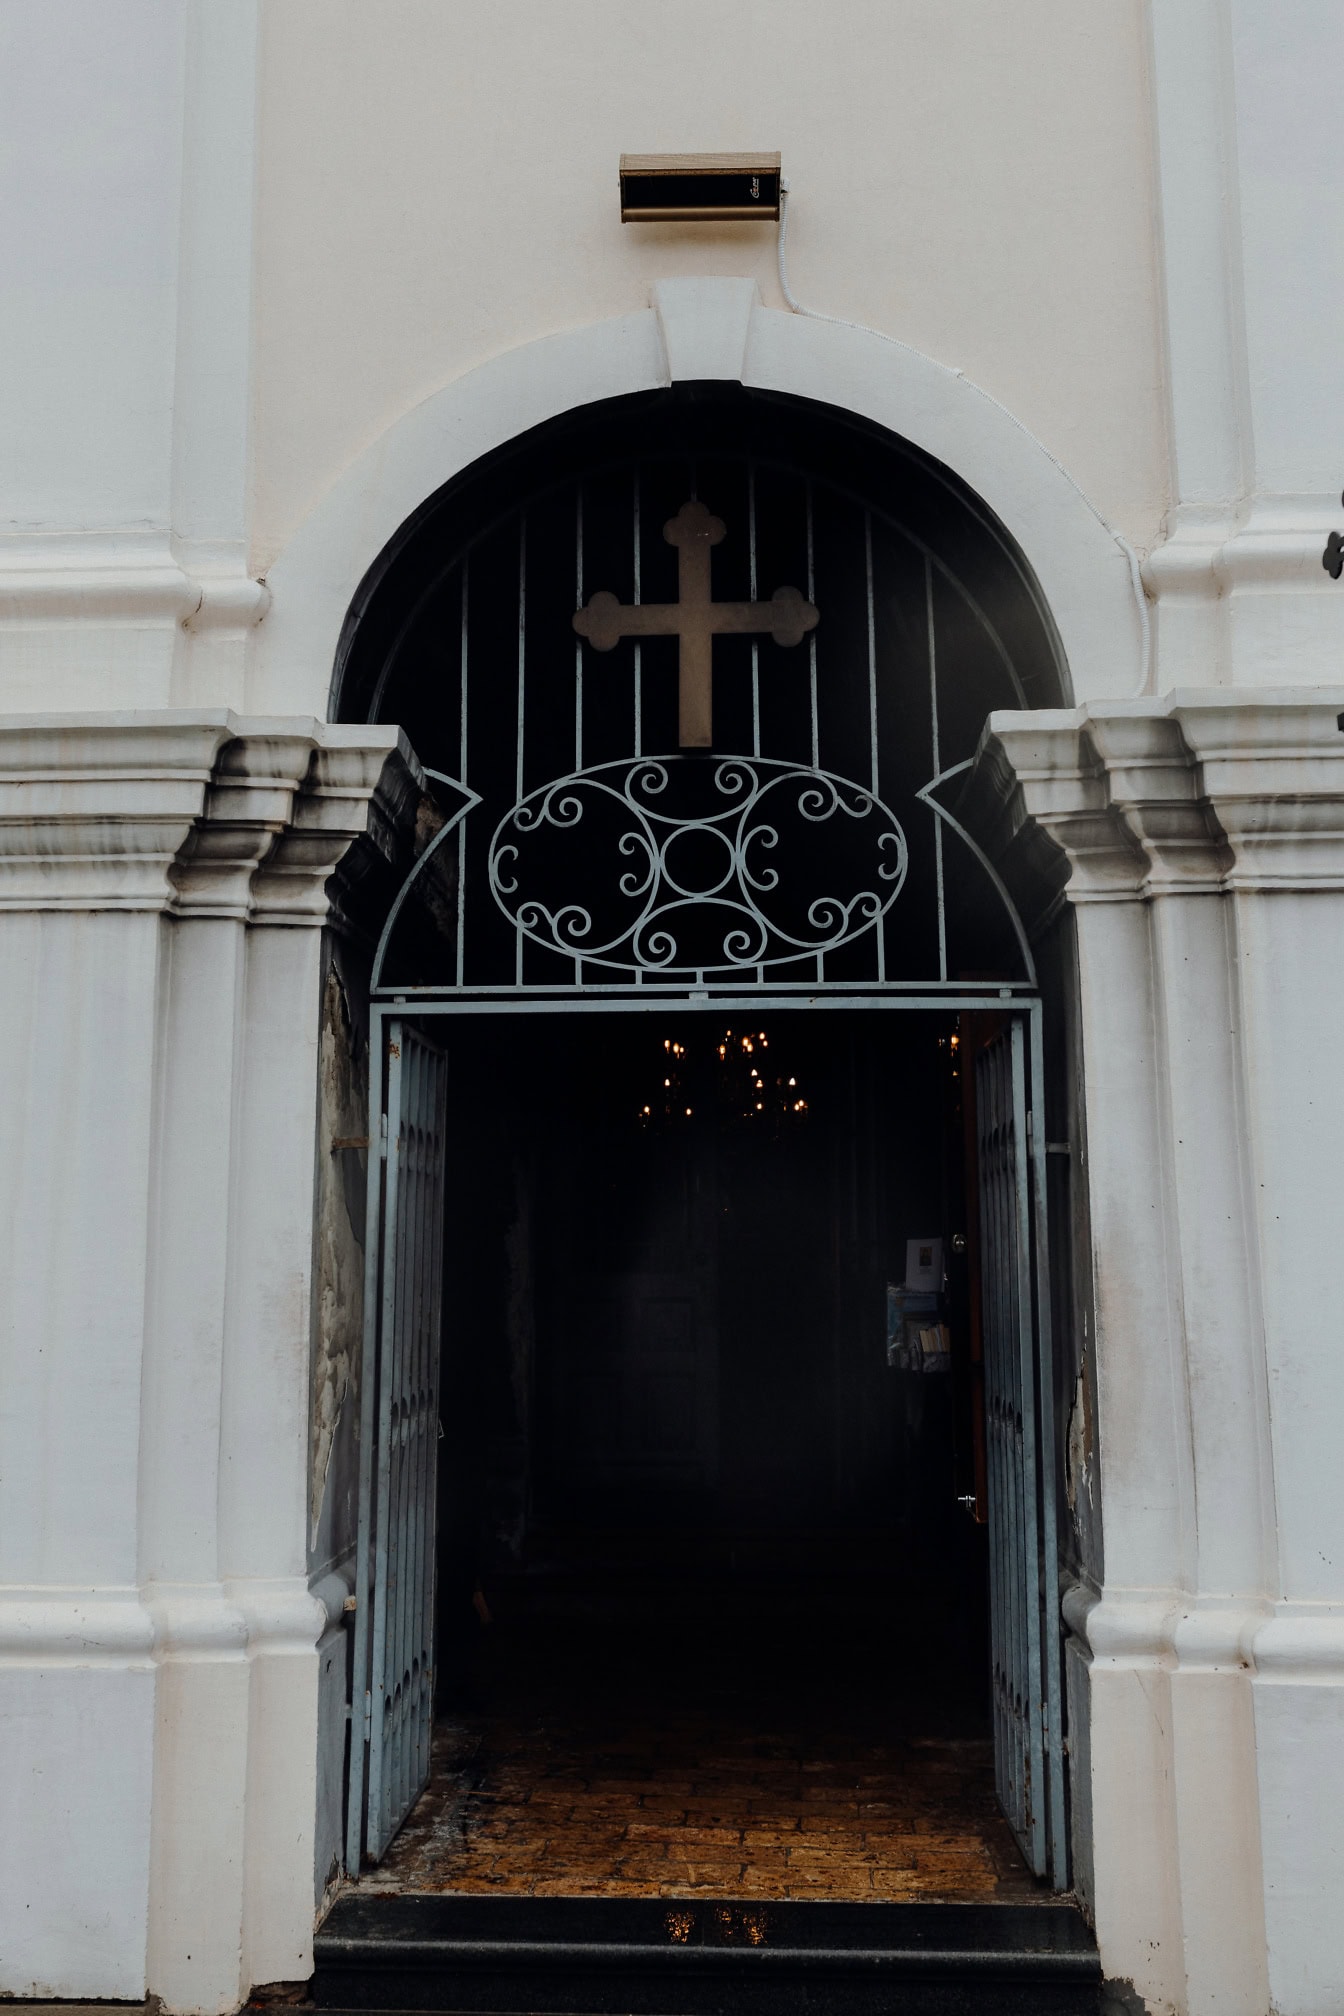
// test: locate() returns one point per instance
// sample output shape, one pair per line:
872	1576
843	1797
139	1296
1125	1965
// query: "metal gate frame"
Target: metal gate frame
1046	1847
1019	1437
392	1713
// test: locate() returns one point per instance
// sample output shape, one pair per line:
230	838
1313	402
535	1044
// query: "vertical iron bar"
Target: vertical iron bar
1007	1443
937	767
397	1496
812	663
879	926
394	1705
872	646
522	696
1054	1706
408	1563
432	1424
578	641
462	774
1011	1341
578	659
812	639
990	1265
755	642
408	1566
988	1270
751	597
428	1240
368	1391
1031	1551
522	649
639	662
377	1678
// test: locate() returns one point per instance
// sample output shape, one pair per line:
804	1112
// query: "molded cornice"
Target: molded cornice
198	814
1190	793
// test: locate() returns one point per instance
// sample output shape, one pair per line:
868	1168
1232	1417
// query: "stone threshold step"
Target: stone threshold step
665	1957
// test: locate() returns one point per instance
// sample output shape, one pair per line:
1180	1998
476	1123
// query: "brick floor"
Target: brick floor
770	1767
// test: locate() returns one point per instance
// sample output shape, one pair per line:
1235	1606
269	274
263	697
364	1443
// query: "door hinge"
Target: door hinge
382	1137
368	1715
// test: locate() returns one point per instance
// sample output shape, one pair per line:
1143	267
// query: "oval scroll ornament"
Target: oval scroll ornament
697	864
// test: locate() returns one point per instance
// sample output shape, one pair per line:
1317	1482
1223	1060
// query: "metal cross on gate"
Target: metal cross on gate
695	618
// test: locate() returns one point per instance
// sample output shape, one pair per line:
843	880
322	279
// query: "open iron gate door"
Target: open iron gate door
394	1616
1019	1434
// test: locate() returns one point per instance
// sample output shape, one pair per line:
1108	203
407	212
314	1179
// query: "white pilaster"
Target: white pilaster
1245	139
126	330
162	896
1205	843
212	405
92	817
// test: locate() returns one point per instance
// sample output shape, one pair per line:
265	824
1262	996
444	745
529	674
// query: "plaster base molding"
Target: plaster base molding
1302	1644
1174	1630
45	1626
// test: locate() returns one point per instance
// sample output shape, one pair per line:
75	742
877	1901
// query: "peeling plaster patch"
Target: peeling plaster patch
1079	1468
1122	1998
342	1174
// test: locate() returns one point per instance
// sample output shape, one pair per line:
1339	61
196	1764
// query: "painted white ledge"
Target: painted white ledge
1242	598
1302	1643
130	617
1173	1631
55	1626
195	1621
118	577
1274	543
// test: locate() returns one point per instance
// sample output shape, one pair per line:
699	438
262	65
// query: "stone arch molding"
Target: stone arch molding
702	329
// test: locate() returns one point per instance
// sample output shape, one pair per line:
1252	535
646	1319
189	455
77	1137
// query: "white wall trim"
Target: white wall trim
1199	226
700	327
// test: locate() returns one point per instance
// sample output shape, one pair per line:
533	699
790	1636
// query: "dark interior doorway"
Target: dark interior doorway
712	1596
705	1432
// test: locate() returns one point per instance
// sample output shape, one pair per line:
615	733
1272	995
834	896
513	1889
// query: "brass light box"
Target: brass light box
699	188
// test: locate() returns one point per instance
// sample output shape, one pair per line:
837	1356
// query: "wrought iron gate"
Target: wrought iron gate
1024	1592
394	1639
670	782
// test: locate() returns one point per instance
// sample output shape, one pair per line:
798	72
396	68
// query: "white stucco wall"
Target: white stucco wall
270	271
439	185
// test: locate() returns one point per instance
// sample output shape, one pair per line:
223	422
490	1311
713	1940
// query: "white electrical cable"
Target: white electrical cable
844	322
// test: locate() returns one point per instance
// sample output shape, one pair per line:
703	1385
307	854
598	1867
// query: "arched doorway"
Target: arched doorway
699	675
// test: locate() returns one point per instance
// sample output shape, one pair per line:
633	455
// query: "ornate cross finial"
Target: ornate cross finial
695	619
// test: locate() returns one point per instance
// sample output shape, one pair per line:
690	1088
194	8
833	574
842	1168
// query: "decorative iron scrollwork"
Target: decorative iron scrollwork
697	864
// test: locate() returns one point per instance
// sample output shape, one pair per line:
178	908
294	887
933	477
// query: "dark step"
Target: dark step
554	1956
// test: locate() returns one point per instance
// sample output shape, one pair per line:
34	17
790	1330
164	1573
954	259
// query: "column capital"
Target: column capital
1185	793
200	814
96	808
1271	766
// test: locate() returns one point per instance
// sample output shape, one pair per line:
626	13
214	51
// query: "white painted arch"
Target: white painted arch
702	329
